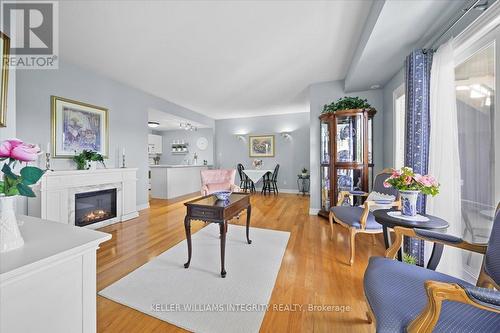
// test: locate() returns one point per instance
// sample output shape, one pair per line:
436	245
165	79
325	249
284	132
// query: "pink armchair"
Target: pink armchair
218	180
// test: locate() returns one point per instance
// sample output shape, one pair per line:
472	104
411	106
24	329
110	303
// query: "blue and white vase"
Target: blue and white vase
409	202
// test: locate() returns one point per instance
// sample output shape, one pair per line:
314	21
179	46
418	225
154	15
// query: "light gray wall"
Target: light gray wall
291	154
190	137
128	113
325	93
388	117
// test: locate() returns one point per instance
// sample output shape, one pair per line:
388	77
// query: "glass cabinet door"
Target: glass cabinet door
349	180
325	187
350	139
325	143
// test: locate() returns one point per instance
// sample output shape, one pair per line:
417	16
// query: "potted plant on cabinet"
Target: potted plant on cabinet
347	103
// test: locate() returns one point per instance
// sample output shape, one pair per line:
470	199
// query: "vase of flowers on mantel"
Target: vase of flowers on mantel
12	185
410	185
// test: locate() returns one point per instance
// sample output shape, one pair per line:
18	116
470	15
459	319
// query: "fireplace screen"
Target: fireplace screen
92	207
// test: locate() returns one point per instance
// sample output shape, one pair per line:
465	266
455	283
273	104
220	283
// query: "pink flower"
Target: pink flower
25	152
18	150
7	146
427	180
395	173
407	180
387	185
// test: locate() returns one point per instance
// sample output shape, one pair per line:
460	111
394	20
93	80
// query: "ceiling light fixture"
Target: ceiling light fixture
375	86
153	124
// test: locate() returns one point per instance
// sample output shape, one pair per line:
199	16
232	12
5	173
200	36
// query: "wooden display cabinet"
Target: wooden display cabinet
349	134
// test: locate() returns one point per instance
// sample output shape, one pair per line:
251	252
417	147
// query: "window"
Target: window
479	142
399	126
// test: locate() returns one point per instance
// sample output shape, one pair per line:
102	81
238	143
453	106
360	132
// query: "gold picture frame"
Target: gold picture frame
261	146
4	72
76	126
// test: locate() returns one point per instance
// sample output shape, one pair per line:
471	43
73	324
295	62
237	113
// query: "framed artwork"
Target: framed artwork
4	73
77	126
261	145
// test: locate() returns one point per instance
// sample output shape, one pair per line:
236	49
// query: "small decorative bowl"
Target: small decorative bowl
222	195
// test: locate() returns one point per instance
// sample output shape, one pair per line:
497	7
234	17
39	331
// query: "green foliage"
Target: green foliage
13	184
409	259
304	170
347	103
31	175
86	156
407	180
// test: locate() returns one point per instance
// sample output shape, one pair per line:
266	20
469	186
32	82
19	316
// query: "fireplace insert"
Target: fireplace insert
92	207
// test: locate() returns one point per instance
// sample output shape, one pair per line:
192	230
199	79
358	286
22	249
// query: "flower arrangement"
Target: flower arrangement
257	164
15	150
407	180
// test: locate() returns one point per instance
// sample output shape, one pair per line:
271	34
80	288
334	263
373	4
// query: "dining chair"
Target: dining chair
243	177
360	219
408	298
271	181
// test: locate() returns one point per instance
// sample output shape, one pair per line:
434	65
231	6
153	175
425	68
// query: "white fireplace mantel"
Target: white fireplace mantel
55	193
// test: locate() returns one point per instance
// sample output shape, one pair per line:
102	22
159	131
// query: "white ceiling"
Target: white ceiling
170	122
393	31
220	58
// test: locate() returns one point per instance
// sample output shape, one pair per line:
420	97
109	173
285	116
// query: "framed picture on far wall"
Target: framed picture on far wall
4	76
77	126
261	145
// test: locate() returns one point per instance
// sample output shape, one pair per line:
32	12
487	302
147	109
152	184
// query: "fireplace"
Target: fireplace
93	207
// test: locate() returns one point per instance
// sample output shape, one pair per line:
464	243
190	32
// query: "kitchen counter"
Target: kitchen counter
172	181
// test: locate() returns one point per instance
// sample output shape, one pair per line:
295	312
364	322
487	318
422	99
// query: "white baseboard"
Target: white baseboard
314	211
286	190
283	190
143	206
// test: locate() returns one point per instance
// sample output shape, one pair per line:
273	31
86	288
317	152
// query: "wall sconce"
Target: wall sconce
286	135
240	137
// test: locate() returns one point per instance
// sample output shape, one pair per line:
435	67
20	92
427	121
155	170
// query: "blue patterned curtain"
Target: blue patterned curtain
418	71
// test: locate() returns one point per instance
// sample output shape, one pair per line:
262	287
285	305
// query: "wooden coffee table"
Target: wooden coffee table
211	210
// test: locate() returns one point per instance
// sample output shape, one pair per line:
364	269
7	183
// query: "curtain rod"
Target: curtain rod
432	45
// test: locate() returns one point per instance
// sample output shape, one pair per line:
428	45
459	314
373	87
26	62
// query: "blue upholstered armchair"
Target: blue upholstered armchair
359	219
408	298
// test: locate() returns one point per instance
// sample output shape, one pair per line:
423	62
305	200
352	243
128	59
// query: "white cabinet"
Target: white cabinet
155	144
49	285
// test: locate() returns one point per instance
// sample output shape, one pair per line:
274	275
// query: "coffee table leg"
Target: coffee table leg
187	226
223	230
249	214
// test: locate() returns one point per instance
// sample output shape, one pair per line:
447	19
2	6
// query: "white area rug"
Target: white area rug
197	298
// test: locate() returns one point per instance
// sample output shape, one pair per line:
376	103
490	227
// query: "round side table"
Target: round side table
434	223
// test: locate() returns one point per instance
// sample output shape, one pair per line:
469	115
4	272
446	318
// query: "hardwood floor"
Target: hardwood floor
314	270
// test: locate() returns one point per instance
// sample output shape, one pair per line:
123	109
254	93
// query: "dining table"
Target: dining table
256	174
